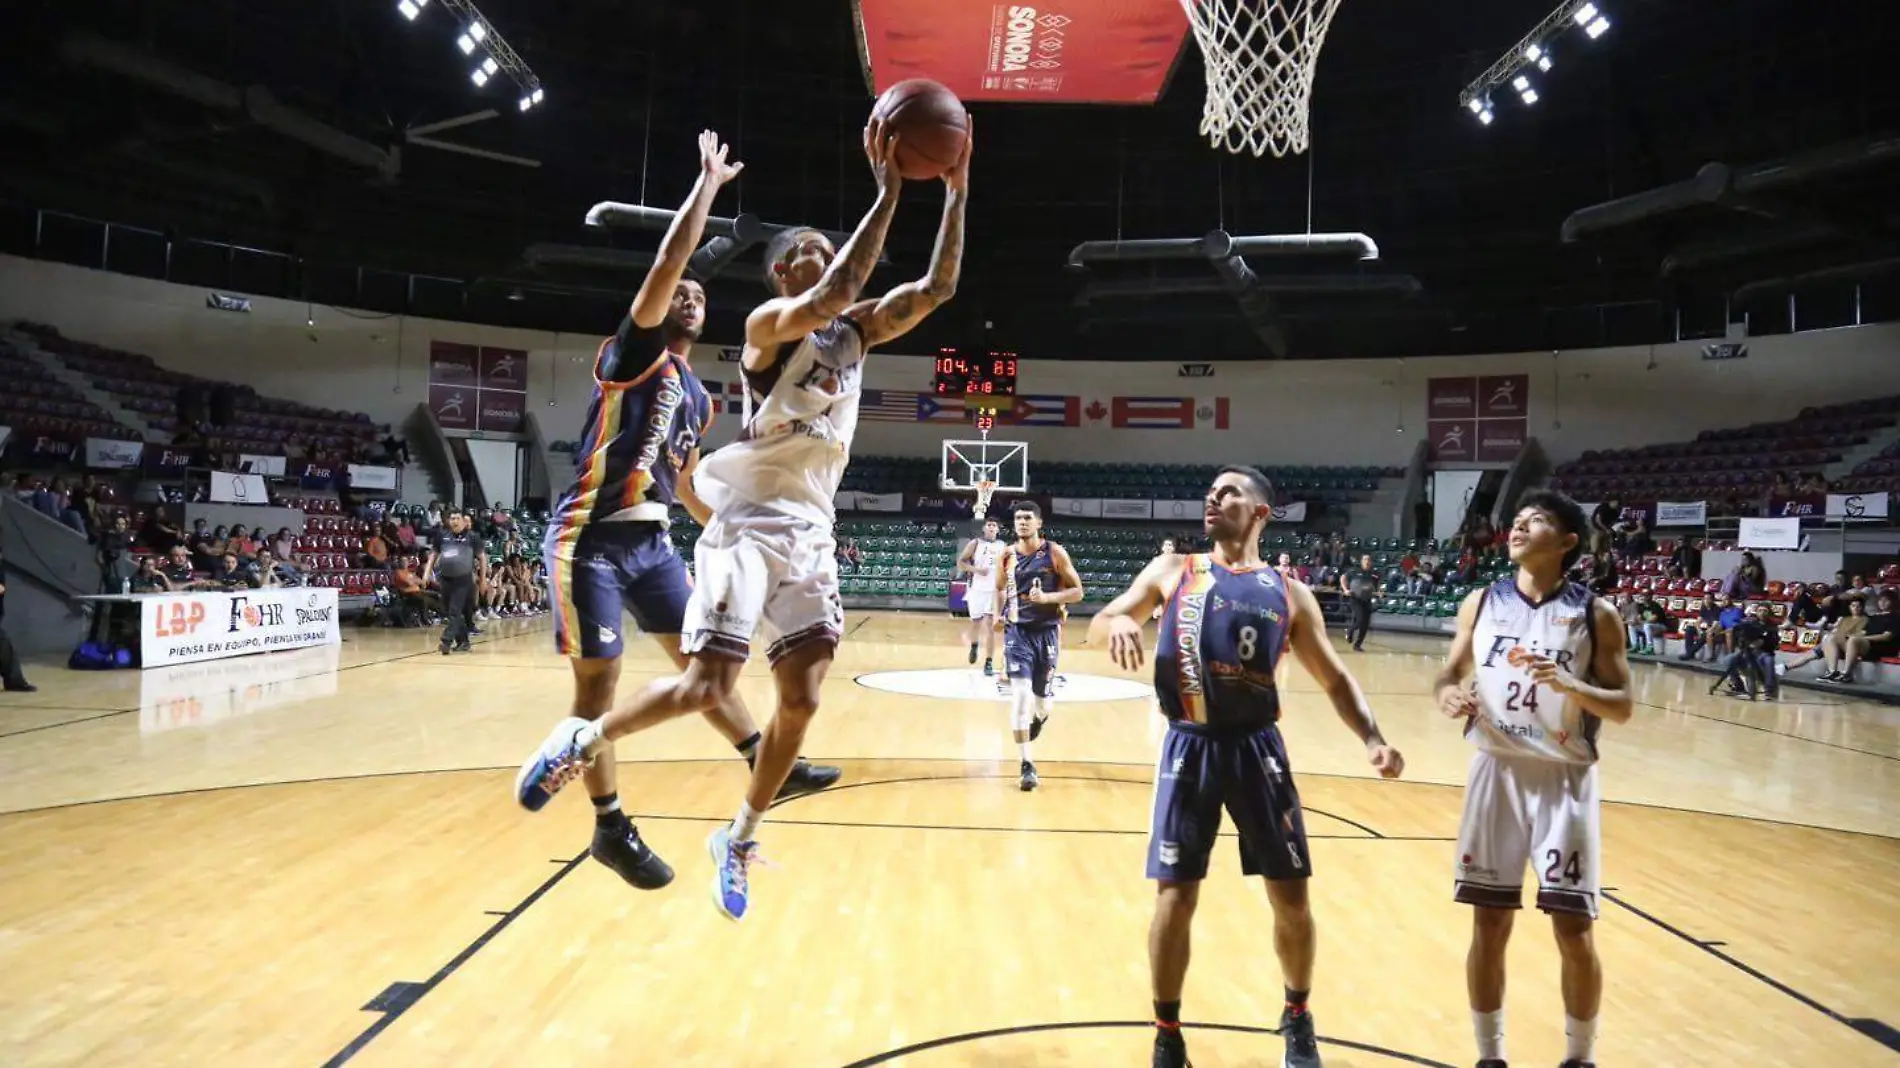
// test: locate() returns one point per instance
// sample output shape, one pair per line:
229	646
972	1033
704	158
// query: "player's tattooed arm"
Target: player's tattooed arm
1454	698
1607	695
900	310
784	319
1071	590
1316	654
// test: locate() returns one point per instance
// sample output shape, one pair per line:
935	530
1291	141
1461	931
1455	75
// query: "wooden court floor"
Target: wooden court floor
316	859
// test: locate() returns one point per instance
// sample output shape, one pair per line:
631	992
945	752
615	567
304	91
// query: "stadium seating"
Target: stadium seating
262	423
36	403
1742	460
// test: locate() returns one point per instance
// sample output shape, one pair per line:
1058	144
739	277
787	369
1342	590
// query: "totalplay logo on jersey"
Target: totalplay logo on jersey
1258	611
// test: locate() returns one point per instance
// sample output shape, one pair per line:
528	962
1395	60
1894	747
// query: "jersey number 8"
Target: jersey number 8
1249	641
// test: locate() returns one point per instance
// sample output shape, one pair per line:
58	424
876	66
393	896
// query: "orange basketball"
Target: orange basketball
930	123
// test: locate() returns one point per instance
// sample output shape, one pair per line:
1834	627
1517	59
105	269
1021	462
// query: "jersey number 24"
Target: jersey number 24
1520	697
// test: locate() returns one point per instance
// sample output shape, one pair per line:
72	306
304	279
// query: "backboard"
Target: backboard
965	463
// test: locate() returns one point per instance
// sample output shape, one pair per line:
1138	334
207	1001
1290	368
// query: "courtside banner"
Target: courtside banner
188	627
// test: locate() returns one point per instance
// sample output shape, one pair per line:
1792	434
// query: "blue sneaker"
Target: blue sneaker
560	760
731	860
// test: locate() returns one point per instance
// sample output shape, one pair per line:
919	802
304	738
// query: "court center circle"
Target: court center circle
969	684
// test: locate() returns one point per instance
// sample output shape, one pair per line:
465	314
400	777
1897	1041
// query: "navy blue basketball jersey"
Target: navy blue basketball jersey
1029	571
639	432
1222	634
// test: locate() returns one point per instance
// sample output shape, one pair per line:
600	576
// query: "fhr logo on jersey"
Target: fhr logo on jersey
1517	654
246	614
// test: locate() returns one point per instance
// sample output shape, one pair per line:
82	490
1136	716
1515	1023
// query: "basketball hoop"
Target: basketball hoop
1260	56
984	491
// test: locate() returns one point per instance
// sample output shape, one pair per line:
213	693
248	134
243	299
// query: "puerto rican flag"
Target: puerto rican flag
1169	413
1043	409
929	409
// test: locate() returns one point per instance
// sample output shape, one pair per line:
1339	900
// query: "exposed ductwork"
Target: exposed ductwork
255	103
1850	272
1720	185
728	238
1223	252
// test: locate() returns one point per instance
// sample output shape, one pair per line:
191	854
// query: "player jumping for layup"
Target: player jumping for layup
1550	666
1227	619
978	560
607	548
767	556
1035	579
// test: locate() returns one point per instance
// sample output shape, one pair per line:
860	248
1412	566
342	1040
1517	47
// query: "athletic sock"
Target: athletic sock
746	826
1296	1000
749	749
1024	746
1489	1028
1580	1039
1168	1016
607	809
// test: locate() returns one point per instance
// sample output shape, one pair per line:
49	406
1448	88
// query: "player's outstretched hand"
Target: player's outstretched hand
880	147
1545	672
1457	702
1389	761
712	159
958	177
1124	643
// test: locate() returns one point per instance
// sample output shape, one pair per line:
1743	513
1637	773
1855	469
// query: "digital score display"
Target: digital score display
976	379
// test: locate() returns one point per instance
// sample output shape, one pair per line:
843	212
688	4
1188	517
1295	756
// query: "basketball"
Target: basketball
930	123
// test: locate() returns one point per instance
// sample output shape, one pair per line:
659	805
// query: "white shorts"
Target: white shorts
1542	813
762	568
980	597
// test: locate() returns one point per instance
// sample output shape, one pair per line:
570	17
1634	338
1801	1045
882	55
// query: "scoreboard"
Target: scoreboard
985	384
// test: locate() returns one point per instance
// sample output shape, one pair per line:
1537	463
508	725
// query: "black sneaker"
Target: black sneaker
1170	1050
1302	1049
1492	1062
989	666
618	846
1029	779
972	652
22	687
808	779
1574	1063
1035	727
445	648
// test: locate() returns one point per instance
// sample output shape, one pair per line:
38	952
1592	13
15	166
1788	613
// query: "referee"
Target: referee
452	558
1359	585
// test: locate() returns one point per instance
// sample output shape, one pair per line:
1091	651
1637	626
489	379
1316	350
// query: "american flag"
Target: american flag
889	405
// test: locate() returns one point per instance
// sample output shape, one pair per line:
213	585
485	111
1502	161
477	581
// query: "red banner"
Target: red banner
1053	51
1500	440
1504	396
1477	419
1452	440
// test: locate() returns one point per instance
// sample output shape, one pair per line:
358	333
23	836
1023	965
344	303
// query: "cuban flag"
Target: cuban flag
1042	409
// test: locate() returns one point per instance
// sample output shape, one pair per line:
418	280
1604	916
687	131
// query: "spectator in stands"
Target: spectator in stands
283	545
850	557
1283	564
1603	574
177	568
432	519
1685	559
1653	622
241	544
1879	641
10	673
1805	610
227	575
1628	611
1603	521
1637	542
264	572
1748	579
56	502
1703	622
1756	638
115	545
1841	618
1811	485
160	533
149	578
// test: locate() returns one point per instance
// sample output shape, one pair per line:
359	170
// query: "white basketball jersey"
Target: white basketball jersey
1517	718
800	417
983	562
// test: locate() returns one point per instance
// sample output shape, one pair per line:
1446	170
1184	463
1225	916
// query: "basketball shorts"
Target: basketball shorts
763	569
611	570
1032	653
1245	771
1543	813
980	596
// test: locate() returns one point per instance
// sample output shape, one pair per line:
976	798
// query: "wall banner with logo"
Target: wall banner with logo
1852	506
188	627
109	453
1681	513
1771	533
229	487
477	387
1478	419
371	477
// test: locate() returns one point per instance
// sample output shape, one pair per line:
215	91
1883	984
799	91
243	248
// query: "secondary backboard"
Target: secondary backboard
1006	463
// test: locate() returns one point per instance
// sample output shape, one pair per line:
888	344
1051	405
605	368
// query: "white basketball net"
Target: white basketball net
1260	56
984	491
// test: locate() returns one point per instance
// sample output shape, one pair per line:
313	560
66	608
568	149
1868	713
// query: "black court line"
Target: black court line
1029	1029
1874	1029
67	722
849	825
1767	730
776	805
8	706
400	997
